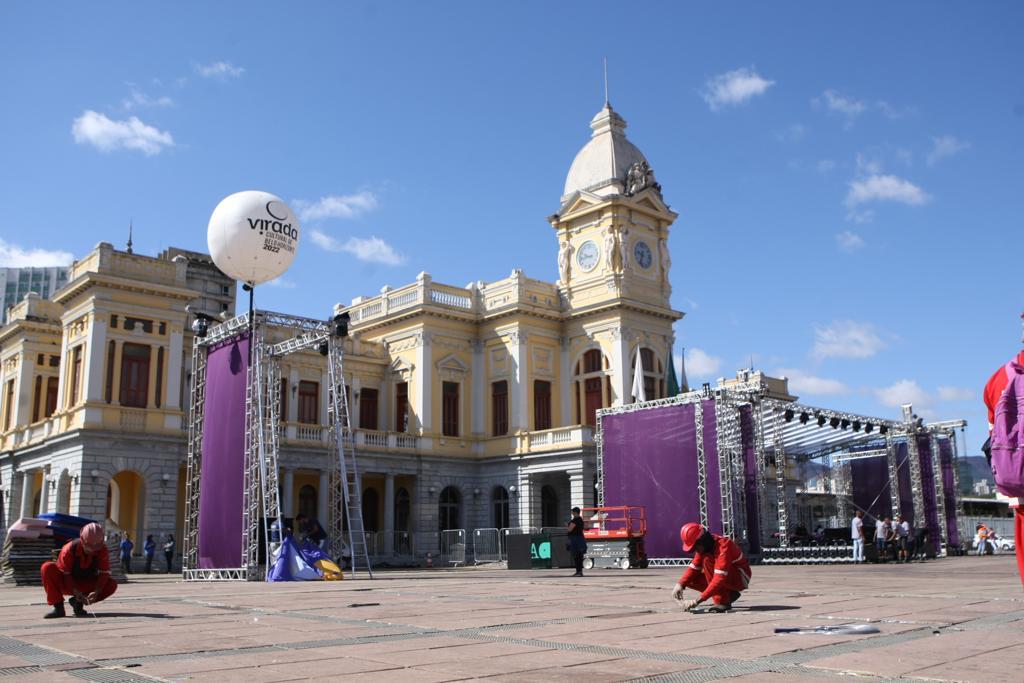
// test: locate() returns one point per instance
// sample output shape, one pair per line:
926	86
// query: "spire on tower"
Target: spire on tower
129	236
606	101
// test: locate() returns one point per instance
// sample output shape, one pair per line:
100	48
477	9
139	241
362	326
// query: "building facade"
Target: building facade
471	407
15	283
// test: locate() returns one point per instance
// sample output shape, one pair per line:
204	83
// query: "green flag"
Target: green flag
673	383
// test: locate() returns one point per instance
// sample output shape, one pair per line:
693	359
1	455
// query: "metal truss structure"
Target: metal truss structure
261	494
787	435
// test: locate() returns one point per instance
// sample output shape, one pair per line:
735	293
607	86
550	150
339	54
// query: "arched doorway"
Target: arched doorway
450	508
549	510
126	504
499	507
371	503
403	509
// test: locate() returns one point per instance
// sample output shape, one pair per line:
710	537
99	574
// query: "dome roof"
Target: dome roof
601	166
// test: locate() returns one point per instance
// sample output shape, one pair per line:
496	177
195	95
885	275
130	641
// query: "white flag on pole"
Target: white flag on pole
638	378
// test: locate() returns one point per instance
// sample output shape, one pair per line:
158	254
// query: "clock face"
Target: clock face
642	254
588	255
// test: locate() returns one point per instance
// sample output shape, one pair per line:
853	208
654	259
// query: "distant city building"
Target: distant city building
15	283
982	488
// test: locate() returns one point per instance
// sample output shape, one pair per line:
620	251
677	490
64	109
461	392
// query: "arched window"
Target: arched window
307	501
499	507
450	508
403	508
654	374
371	502
592	386
549	511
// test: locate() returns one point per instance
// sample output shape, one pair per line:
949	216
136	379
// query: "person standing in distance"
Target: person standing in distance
857	534
577	543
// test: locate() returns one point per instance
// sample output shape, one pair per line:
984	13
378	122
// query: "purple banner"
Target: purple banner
750	478
949	491
650	459
869	478
222	474
931	510
714	476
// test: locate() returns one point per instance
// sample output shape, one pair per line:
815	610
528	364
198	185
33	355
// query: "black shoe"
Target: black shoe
578	574
56	613
735	596
77	607
719	609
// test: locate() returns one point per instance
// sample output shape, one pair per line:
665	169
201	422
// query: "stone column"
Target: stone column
44	496
287	493
173	361
581	490
323	499
389	512
94	360
24	392
424	384
520	379
353	410
478	402
621	374
564	385
27	480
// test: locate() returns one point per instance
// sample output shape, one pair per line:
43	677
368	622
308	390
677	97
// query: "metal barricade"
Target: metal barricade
486	546
505	531
453	546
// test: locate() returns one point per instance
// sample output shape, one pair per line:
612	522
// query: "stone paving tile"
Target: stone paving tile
989	667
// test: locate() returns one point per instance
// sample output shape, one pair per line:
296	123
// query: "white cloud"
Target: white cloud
219	70
281	283
904	391
956	394
944	147
93	128
885	188
840	104
734	87
336	206
371	249
141	99
14	256
801	382
849	241
699	363
846	339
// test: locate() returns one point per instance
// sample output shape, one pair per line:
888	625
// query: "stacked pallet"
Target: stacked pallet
22	558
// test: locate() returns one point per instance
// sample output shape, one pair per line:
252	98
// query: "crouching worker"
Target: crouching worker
82	570
718	569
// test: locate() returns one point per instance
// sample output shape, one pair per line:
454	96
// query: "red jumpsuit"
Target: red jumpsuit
993	390
718	574
74	570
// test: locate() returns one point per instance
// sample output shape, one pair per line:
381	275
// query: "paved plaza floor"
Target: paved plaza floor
956	619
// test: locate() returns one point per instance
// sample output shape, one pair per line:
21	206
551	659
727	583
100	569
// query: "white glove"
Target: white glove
691	604
677	591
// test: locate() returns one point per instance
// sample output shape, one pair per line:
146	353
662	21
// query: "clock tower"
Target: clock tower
613	225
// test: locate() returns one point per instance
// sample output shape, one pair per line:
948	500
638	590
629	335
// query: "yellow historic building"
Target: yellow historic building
471	407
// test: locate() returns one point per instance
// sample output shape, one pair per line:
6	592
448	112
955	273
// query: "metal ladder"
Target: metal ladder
345	482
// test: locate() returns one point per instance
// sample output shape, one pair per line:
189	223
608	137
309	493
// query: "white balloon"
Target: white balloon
253	236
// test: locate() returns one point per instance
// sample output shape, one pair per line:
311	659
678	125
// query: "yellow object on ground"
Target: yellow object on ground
332	572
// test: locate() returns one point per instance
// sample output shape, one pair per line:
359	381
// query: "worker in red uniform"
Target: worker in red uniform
82	570
993	390
718	569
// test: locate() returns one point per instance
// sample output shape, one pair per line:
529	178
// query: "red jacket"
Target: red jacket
75	565
725	567
995	386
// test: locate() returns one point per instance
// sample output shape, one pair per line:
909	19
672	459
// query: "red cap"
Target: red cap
92	536
690	534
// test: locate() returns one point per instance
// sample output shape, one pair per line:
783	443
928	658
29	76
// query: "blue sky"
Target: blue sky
848	178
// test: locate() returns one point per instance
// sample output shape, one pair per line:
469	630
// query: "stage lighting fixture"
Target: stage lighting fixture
322	348
821	420
788	415
844	424
341	324
804	417
833	423
868	427
200	327
883	429
856	425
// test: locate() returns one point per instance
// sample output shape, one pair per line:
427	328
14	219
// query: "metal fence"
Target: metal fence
1003	526
388	543
504	532
453	546
486	546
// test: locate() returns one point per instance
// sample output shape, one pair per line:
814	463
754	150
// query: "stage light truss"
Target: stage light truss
702	470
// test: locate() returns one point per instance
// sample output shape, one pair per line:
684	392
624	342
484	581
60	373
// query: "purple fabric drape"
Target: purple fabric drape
750	478
949	491
931	510
714	476
221	483
650	459
903	476
870	481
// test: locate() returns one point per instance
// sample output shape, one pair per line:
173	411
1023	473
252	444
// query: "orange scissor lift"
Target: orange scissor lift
615	537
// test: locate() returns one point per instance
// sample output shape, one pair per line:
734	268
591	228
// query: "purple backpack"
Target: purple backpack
1008	435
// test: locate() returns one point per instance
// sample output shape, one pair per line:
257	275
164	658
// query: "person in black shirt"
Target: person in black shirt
577	543
310	528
